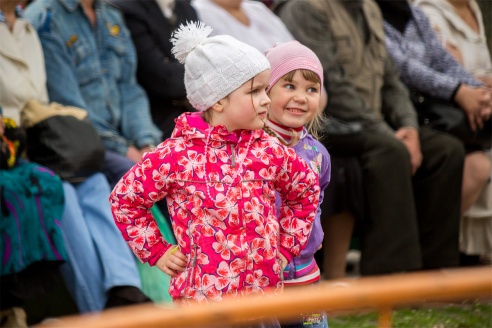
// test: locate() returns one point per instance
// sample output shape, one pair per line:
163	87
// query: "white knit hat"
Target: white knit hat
215	66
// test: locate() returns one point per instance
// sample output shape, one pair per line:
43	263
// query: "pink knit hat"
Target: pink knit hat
290	56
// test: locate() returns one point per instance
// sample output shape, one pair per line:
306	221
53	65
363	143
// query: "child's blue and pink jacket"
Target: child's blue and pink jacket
303	268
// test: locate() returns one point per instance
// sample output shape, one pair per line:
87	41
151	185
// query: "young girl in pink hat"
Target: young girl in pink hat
295	89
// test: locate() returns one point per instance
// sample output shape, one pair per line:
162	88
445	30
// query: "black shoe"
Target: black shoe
467	260
125	295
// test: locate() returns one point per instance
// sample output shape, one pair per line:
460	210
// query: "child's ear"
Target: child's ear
218	106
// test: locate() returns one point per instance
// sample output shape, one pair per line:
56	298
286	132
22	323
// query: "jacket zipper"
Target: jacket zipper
279	259
281	270
191	281
233	158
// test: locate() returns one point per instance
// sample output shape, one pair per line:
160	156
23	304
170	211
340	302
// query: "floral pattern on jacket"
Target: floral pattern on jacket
220	190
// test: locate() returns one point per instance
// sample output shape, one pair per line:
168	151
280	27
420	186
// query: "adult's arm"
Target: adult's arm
62	81
442	76
136	122
63	87
453	68
134	103
397	106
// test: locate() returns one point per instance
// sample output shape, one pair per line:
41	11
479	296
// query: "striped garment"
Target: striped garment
306	273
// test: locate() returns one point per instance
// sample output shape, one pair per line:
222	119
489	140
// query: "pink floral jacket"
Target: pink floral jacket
220	189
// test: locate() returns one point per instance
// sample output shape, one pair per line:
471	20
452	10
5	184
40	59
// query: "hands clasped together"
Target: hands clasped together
476	102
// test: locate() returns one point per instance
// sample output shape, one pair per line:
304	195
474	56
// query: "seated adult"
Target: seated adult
460	26
248	21
410	224
91	63
101	270
151	24
432	73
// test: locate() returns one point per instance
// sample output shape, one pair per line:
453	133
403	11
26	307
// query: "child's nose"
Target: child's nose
300	97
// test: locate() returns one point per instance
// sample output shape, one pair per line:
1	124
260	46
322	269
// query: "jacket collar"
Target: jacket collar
9	47
18	13
71	5
192	126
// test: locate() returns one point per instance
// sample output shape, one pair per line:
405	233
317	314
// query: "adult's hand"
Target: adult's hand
134	154
474	101
410	138
486	79
486	110
145	149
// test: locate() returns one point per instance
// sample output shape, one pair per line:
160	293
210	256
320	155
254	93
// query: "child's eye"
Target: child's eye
313	90
289	86
254	91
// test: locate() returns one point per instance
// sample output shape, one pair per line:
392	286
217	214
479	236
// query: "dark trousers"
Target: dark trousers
412	222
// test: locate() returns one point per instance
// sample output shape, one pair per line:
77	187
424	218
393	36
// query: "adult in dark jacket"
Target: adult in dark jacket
151	23
411	222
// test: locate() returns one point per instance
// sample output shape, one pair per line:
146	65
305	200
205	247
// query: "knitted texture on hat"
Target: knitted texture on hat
290	56
214	66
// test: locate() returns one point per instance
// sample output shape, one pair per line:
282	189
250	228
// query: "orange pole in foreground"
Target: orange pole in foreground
385	317
378	293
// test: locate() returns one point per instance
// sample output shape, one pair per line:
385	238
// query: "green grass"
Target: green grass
455	315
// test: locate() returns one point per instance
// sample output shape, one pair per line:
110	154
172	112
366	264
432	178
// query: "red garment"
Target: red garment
220	189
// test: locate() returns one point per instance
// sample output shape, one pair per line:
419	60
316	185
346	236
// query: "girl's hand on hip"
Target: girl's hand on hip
283	261
172	262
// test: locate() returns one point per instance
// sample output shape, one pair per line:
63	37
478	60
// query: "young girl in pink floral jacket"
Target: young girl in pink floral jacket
219	172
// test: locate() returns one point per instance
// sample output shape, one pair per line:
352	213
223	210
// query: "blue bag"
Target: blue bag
31	207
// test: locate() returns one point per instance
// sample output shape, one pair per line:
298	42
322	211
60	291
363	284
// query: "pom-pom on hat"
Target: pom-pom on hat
290	56
214	66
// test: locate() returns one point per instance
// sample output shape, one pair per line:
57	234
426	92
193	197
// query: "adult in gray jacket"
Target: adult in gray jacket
411	223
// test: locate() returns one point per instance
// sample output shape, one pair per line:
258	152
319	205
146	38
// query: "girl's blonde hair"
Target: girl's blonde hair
207	117
314	126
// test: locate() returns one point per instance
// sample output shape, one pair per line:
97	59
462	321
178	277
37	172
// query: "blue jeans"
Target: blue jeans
313	320
317	319
98	257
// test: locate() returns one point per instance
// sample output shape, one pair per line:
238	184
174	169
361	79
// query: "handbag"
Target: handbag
445	116
63	139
